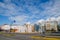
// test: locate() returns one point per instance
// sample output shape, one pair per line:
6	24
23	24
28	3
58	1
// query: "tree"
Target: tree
58	27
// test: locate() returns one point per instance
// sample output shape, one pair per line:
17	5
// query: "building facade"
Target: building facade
41	26
29	28
51	24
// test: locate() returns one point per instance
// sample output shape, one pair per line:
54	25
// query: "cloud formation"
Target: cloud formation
29	10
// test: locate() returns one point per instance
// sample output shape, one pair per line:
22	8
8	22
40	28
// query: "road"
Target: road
20	36
5	38
25	36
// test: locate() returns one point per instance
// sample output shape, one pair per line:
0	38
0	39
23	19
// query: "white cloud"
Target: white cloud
53	11
43	10
8	8
53	19
18	18
28	23
58	18
40	21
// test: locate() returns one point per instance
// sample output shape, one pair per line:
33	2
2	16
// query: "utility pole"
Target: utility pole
11	24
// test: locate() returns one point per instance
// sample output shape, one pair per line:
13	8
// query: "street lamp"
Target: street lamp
11	24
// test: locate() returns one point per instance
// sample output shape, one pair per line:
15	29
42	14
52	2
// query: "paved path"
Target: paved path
5	38
20	37
24	36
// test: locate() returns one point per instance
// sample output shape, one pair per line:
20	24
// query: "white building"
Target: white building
28	27
19	29
23	29
41	25
5	27
48	27
51	24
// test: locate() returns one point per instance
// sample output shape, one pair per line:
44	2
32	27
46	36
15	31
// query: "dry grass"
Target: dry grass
6	34
44	38
9	35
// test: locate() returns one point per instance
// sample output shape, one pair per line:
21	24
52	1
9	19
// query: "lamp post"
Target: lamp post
11	24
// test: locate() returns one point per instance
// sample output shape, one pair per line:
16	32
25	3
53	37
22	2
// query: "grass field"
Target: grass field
44	38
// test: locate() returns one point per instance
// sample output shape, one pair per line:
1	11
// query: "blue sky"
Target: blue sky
23	11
